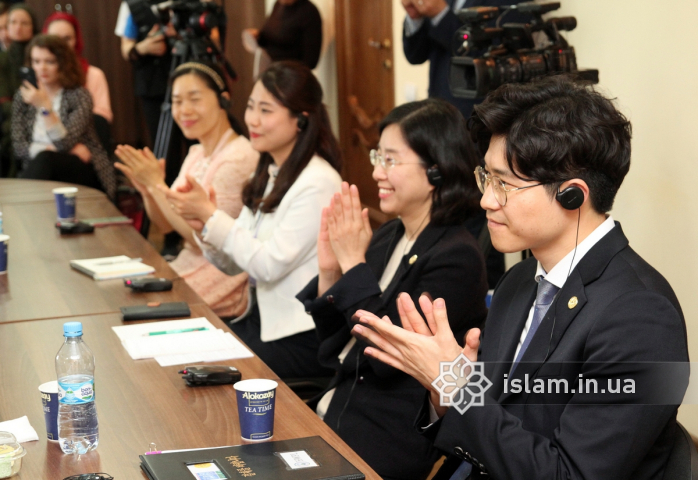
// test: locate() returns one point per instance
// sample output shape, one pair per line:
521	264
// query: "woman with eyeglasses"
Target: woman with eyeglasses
424	170
274	238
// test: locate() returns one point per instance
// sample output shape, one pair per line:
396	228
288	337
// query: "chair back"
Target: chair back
683	460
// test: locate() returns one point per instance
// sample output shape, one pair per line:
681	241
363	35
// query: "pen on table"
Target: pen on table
181	330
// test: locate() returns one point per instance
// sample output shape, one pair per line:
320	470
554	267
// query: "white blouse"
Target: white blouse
278	249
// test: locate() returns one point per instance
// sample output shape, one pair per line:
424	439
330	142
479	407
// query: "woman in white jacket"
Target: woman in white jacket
274	239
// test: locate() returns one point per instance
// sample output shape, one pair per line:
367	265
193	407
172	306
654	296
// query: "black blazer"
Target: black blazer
625	313
379	413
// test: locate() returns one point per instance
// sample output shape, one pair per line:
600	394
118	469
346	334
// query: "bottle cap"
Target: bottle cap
72	329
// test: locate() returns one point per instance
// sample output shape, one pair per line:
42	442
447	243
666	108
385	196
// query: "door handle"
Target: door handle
378	45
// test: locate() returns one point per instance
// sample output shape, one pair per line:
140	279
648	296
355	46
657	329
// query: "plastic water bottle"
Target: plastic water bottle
0	220
78	430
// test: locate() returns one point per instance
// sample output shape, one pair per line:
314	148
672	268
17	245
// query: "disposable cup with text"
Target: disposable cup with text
49	400
256	403
65	203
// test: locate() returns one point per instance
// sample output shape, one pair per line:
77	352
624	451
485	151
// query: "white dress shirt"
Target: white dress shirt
559	273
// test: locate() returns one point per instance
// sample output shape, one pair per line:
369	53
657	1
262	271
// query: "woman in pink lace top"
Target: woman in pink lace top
222	162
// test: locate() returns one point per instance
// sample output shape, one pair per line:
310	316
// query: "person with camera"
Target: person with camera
274	239
428	34
151	60
423	168
53	132
584	346
222	160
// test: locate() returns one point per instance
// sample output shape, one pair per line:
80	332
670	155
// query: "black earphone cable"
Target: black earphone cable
569	272
353	386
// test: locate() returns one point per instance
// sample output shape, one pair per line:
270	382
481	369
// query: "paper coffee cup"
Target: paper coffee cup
49	400
256	403
65	203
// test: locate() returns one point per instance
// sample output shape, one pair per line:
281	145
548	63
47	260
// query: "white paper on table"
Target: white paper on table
126	332
234	351
175	343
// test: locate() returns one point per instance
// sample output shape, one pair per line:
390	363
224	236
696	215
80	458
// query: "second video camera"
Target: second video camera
481	64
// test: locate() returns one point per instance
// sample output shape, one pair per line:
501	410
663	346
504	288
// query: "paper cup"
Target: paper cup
49	399
256	400
3	253
65	203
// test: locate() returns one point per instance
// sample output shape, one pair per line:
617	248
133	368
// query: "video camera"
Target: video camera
191	18
480	65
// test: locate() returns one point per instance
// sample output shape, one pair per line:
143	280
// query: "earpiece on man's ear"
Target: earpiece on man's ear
570	198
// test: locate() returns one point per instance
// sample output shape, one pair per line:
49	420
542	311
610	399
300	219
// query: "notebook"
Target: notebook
310	458
106	268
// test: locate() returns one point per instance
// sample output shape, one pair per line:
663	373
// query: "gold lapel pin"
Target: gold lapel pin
572	303
412	259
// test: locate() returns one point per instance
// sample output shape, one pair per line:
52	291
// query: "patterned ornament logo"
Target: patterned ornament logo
462	384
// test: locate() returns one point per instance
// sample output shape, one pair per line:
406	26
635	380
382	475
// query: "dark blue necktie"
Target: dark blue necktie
544	298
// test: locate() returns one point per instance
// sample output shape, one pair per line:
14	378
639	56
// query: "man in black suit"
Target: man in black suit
428	32
586	310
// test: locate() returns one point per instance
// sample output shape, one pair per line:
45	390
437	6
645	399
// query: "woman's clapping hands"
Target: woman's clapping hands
348	227
141	167
192	202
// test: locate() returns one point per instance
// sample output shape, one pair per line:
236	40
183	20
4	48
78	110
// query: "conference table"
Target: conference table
138	402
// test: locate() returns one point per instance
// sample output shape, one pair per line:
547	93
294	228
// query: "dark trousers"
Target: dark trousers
61	167
289	357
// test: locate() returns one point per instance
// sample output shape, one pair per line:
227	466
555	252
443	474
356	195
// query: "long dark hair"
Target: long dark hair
296	88
436	132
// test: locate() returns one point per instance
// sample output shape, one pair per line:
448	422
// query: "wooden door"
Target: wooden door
365	88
